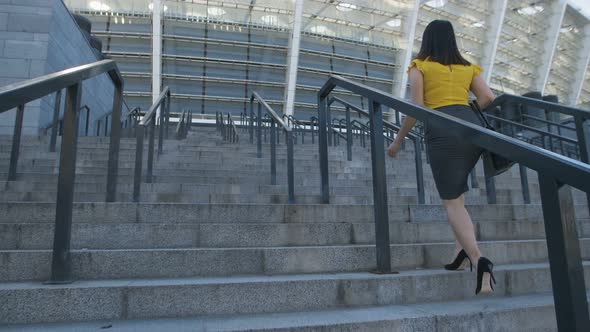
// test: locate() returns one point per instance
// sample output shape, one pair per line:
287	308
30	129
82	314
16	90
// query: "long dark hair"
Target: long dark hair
440	45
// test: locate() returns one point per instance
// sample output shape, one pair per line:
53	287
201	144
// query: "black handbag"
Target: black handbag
493	164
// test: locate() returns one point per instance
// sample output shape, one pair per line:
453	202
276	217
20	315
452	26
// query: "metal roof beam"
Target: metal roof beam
581	67
552	35
493	33
410	32
156	51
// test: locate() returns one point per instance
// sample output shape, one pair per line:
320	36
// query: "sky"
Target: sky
583	5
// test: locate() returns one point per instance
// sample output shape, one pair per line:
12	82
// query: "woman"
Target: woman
440	79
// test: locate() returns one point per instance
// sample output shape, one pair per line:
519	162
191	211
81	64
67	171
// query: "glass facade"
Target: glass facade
214	53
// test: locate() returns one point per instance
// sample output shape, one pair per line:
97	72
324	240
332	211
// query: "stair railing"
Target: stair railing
555	173
232	134
414	136
275	121
184	124
149	122
18	95
227	128
298	126
579	147
129	120
313	125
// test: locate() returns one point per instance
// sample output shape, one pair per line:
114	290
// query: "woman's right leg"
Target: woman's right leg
462	226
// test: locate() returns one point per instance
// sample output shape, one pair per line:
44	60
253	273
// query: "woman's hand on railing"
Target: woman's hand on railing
394	149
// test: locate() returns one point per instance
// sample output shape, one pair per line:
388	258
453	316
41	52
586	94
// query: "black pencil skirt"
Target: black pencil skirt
452	157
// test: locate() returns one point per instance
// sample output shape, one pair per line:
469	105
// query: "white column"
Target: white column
293	58
409	47
493	34
156	50
582	65
552	35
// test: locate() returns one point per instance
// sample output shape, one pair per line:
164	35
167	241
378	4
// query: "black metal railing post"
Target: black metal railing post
251	124
290	168
273	153
583	135
190	120
380	202
419	171
312	127
491	189
567	272
138	162
328	117
259	132
180	125
348	135
114	145
167	116
87	121
150	160
473	177
323	148
161	123
16	136
524	183
61	260
54	128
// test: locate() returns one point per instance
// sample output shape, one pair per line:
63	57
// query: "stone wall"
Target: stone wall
39	37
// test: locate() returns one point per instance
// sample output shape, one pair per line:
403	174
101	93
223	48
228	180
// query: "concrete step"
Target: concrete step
30	236
223	179
20	265
213	198
190	188
533	312
214	170
100	212
32	302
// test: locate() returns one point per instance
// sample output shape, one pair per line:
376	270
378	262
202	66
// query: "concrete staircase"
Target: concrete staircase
213	246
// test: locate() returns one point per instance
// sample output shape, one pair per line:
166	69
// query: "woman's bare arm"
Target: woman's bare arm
417	91
482	91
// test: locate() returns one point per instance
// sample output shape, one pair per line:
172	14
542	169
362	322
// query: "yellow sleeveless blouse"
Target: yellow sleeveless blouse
445	85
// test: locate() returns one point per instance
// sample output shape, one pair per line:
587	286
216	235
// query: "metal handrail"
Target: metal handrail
274	118
149	122
412	134
532	129
313	123
58	126
554	171
232	133
539	103
338	134
184	124
228	131
300	126
416	138
19	94
363	131
551	123
132	118
580	118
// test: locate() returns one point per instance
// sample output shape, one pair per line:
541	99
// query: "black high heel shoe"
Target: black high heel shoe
460	262
485	276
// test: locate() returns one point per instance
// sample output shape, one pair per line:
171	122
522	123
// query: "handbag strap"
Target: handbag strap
477	109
